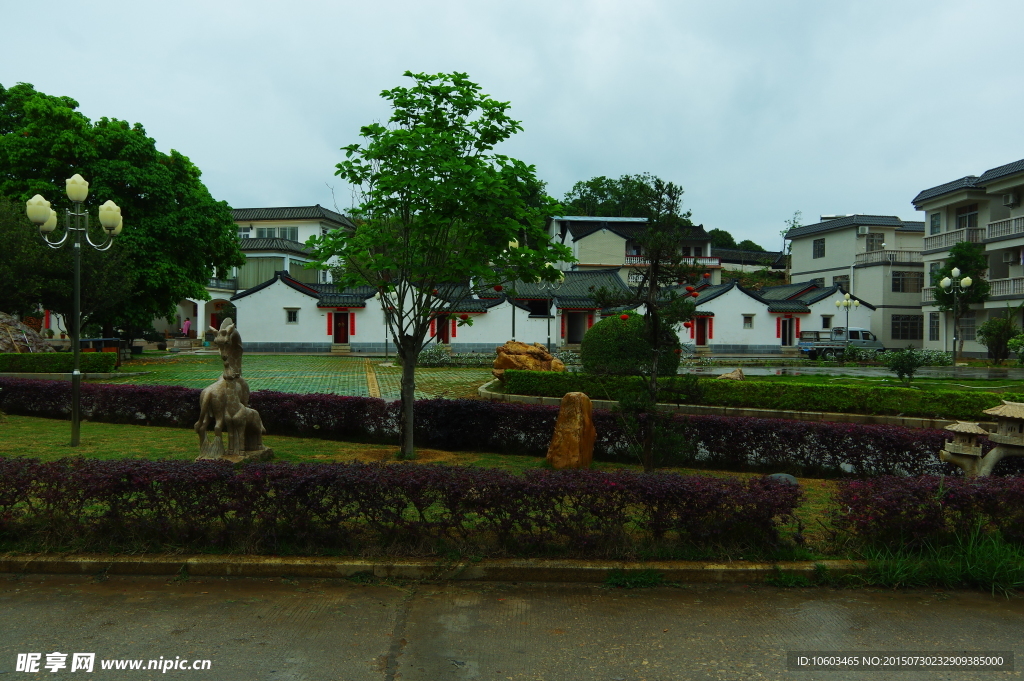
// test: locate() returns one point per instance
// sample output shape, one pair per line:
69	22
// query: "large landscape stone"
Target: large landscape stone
516	355
572	445
16	336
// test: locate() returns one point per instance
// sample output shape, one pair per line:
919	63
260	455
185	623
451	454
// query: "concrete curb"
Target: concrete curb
489	570
697	409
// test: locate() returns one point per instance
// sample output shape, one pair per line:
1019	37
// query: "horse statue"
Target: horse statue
226	404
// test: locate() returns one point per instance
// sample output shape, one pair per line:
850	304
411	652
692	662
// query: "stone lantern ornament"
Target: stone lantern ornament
965	452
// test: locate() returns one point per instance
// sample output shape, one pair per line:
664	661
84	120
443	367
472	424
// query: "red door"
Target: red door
341	327
702	330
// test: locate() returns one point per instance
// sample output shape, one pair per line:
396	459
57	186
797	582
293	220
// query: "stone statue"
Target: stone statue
226	403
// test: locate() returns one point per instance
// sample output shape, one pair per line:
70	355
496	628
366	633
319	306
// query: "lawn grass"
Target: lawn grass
47	440
977	384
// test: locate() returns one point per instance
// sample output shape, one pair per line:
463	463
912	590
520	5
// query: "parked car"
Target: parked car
831	343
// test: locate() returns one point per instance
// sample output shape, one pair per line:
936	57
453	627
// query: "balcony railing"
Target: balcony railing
700	260
952	238
873	257
1013	286
229	284
927	295
1006	227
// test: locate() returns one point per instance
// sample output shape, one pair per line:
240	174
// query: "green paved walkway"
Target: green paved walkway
346	375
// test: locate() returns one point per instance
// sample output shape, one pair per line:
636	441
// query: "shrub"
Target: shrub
1016	346
617	346
996	333
130	505
915	511
57	362
434	355
904	363
946	404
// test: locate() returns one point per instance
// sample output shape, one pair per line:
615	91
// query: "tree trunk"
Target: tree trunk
408	352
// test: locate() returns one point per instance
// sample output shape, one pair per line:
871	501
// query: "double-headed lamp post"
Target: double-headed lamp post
846	303
958	286
77	222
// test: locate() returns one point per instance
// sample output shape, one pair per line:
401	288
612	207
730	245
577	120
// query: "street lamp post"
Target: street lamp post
846	303
75	221
958	286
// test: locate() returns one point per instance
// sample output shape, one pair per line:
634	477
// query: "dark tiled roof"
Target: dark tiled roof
627	228
709	293
737	256
330	296
1001	171
284	278
279	245
813	296
969	182
787	306
850	221
786	291
316	212
911	226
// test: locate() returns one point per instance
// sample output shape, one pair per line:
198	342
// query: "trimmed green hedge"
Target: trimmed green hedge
944	404
56	362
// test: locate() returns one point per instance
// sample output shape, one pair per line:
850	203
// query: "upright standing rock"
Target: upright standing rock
572	445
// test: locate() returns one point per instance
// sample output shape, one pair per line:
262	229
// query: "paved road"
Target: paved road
312	630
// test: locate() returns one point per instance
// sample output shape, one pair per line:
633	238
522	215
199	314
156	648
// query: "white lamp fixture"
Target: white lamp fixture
38	209
956	273
966	282
110	216
946	282
50	224
77	188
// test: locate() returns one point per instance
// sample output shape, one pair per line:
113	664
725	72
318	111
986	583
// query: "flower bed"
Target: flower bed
92	505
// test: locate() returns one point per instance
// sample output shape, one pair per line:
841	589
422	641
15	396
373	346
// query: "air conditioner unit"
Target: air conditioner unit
1009	256
862	230
1009	200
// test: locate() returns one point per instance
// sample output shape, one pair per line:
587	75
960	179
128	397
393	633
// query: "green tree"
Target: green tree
438	213
972	262
996	334
657	288
23	268
748	245
721	239
630	196
176	235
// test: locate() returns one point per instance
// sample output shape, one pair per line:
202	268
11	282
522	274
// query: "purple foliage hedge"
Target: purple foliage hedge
911	511
87	504
736	443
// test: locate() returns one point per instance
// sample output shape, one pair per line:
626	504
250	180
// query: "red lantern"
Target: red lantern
623	317
690	289
707	275
463	317
498	288
434	292
679	351
687	324
695	294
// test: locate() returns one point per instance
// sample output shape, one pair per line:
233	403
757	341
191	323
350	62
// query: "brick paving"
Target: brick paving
358	376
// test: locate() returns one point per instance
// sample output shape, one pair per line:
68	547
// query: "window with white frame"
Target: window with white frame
933	326
967	217
907	326
290	233
818	248
933	272
826	321
907	282
291	316
875	241
748	321
244	232
935	224
842	280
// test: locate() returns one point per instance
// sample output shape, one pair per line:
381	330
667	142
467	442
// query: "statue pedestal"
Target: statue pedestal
212	449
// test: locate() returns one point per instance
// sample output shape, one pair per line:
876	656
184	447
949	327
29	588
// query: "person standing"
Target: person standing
186	327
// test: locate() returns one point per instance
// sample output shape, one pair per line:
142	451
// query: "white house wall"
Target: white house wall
262	321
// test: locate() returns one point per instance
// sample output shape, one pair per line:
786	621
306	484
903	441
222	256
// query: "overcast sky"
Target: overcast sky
757	108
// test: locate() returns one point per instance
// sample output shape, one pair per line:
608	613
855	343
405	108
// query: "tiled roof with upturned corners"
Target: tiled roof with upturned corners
741	257
1013	410
855	221
284	278
316	212
969	182
575	292
276	245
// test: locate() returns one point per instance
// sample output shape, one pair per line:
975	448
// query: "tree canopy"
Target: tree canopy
721	238
748	245
972	262
630	196
438	213
176	235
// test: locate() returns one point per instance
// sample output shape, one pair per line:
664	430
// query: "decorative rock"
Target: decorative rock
572	445
516	355
16	336
784	477
736	375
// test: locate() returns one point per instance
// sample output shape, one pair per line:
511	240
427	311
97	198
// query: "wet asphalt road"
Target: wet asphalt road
280	630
